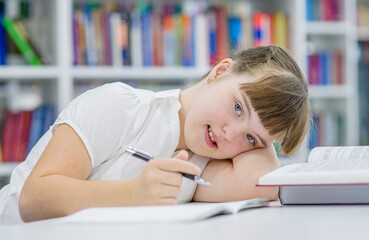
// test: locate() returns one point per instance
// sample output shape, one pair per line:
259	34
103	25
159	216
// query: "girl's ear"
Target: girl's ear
224	66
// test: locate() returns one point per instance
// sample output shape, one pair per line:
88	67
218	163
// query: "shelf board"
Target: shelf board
28	72
329	92
363	33
132	73
326	28
6	168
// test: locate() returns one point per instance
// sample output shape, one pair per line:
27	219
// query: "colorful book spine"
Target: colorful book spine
147	35
328	129
326	68
324	10
150	33
169	40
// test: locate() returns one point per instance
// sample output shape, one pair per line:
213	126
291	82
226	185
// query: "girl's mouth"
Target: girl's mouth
209	138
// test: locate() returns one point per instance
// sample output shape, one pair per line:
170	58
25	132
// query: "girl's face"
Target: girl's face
221	123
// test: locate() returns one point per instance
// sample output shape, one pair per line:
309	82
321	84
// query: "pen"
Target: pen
146	157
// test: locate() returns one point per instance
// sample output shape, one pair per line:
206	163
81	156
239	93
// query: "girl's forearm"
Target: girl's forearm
56	196
236	179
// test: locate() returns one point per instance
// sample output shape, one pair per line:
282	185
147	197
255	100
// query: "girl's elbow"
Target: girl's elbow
25	208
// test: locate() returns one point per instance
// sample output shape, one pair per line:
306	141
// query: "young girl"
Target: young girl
243	105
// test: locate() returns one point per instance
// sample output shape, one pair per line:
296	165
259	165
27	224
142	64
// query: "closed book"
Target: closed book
169	40
147	36
235	33
280	29
136	38
157	38
91	50
3	47
332	175
23	135
212	36
222	34
7	132
201	45
36	127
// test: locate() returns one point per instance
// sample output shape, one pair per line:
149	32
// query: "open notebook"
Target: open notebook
175	213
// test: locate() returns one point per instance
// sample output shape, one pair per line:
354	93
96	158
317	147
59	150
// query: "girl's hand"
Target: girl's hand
160	182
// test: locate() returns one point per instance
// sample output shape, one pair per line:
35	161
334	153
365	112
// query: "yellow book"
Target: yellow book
280	29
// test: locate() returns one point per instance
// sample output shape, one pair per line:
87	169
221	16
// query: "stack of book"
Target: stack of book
171	34
22	130
328	130
326	67
324	10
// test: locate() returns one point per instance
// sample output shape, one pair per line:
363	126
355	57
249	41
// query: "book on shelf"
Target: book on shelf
168	34
326	68
18	35
3	47
328	129
324	10
21	131
173	213
332	175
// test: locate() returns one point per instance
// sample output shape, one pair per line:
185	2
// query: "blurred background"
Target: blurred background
53	50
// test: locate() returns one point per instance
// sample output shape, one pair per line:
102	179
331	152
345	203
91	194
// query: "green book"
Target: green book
22	44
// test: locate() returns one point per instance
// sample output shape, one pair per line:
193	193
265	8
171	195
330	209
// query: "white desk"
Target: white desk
275	222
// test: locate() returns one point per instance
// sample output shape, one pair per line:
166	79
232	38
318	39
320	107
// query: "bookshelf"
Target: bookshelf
60	78
363	73
337	98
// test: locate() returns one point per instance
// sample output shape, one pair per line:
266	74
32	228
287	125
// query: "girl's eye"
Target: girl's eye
251	139
238	108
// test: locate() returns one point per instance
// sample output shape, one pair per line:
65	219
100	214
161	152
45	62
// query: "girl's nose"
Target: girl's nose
231	131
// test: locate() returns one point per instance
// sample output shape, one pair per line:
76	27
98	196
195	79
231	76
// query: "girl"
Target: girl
243	105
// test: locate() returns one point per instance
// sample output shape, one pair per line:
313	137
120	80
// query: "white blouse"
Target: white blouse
108	119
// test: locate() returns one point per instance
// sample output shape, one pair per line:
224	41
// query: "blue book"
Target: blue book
235	33
3	48
147	39
313	140
91	51
212	37
49	117
324	67
310	10
37	127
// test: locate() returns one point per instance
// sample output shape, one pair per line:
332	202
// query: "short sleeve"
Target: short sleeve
103	118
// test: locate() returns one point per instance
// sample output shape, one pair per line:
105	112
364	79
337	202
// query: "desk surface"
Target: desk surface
274	222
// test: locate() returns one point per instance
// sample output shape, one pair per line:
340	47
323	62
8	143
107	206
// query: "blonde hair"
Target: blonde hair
280	96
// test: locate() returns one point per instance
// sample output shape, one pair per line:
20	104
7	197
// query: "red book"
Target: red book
16	137
6	135
221	34
328	10
256	22
158	39
337	55
24	131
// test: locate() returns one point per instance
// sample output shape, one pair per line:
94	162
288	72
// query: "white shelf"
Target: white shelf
329	92
145	73
28	72
6	168
363	33
327	28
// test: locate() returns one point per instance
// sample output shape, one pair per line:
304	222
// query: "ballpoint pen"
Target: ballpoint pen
146	157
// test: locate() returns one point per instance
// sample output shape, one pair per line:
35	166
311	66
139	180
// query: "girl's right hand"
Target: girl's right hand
160	182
